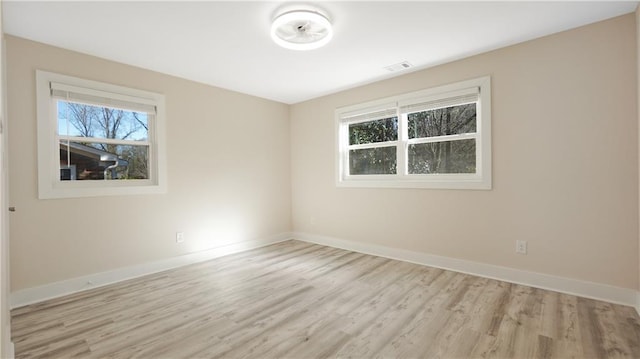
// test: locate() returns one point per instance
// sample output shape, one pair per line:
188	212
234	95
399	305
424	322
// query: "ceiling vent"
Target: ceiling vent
399	66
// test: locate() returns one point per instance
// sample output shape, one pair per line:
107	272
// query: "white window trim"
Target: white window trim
480	180
49	184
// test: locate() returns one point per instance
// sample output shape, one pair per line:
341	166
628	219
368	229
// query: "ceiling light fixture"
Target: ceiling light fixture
301	30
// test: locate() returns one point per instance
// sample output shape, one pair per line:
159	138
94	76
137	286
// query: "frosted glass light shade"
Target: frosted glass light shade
301	30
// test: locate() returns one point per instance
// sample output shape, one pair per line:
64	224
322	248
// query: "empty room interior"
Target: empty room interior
320	179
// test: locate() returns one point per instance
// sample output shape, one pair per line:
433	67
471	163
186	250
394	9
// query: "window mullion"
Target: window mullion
372	145
402	144
111	141
458	137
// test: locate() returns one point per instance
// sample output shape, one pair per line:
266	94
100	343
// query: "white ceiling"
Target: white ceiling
227	44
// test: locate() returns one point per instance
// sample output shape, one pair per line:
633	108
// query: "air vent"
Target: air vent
399	66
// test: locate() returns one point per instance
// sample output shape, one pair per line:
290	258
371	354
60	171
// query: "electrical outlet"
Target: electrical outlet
179	237
521	247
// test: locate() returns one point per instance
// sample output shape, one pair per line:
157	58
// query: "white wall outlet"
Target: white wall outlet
312	220
521	247
179	237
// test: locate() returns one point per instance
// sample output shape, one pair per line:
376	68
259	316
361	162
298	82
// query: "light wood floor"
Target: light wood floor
299	300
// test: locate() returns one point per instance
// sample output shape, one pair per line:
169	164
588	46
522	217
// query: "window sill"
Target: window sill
474	184
77	189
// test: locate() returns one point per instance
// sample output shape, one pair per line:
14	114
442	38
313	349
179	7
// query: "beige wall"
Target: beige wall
5	324
228	175
637	13
565	163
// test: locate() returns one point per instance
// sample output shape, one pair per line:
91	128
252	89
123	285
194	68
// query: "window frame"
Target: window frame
481	179
49	184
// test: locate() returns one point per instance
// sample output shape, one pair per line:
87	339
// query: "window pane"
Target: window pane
95	161
373	161
443	121
374	131
82	120
443	157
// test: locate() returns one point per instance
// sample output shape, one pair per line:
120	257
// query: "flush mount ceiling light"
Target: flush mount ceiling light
301	30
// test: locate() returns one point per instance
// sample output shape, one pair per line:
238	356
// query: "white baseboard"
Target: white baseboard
577	287
57	289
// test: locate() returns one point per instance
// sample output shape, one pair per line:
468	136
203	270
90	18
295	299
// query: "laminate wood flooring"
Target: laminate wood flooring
299	300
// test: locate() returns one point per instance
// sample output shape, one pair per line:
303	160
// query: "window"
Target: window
435	138
97	139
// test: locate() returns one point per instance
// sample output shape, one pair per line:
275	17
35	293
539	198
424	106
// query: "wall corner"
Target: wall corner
637	13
